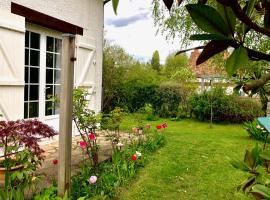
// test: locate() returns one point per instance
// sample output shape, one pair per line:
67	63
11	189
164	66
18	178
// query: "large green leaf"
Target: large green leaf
208	19
249	160
265	155
115	5
240	165
208	37
228	16
239	58
261	190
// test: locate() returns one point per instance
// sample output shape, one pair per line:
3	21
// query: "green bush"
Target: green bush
171	100
225	108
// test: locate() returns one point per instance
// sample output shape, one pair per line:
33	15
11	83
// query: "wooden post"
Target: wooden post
66	105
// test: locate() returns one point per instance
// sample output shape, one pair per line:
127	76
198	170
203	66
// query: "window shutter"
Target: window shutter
85	66
12	31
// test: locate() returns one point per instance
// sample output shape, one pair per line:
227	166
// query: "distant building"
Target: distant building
206	71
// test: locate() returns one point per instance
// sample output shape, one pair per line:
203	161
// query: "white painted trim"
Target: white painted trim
86	46
12	22
12	83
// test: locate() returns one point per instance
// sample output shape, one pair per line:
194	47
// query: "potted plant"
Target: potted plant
20	153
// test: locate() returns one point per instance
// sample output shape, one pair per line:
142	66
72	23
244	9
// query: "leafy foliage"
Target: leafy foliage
256	131
155	61
226	108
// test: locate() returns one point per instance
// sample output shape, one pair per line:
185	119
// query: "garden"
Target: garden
168	137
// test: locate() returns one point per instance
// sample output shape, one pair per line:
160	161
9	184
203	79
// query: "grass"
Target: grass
194	164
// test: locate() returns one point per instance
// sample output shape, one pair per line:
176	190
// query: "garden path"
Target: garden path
49	168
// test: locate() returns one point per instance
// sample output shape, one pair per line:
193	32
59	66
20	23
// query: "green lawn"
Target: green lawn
194	164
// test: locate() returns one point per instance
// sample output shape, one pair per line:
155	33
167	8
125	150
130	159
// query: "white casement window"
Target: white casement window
42	74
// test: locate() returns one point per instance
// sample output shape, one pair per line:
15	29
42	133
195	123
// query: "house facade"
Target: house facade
31	34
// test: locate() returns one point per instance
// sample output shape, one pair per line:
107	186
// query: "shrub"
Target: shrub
225	108
171	100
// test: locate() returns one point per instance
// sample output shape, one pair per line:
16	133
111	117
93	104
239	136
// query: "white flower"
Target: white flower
138	154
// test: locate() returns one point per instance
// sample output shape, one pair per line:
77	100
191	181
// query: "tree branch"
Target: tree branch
245	19
256	83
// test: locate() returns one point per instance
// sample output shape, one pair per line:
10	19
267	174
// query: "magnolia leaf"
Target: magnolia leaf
224	2
169	3
249	160
240	165
208	19
261	190
115	5
228	16
247	183
211	49
208	37
265	155
239	58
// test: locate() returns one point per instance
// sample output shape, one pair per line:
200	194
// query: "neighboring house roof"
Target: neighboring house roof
203	70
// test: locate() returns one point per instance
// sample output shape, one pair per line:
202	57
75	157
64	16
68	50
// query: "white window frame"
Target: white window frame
44	32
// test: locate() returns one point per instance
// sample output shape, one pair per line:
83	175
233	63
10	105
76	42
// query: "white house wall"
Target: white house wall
87	14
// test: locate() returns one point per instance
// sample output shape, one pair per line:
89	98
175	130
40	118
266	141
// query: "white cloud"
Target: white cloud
139	37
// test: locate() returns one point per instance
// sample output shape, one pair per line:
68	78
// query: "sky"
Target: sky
133	29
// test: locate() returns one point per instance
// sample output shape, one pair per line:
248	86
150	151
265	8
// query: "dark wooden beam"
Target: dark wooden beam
35	17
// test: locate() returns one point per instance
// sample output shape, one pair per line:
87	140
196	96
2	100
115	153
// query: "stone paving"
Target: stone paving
51	153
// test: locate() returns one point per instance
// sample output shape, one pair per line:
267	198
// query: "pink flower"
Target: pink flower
92	180
83	144
258	126
55	162
134	157
92	136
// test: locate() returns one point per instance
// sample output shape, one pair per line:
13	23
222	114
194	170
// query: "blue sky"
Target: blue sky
133	29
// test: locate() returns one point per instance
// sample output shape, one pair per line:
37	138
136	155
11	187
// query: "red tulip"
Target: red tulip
134	157
55	161
164	125
159	127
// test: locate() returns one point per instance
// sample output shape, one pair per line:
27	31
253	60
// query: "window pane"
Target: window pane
49	108
26	57
49	75
26	93
34	58
49	91
34	91
33	109
27	39
57	91
57	78
57	61
50	42
49	60
34	75
34	40
58	45
26	75
25	110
